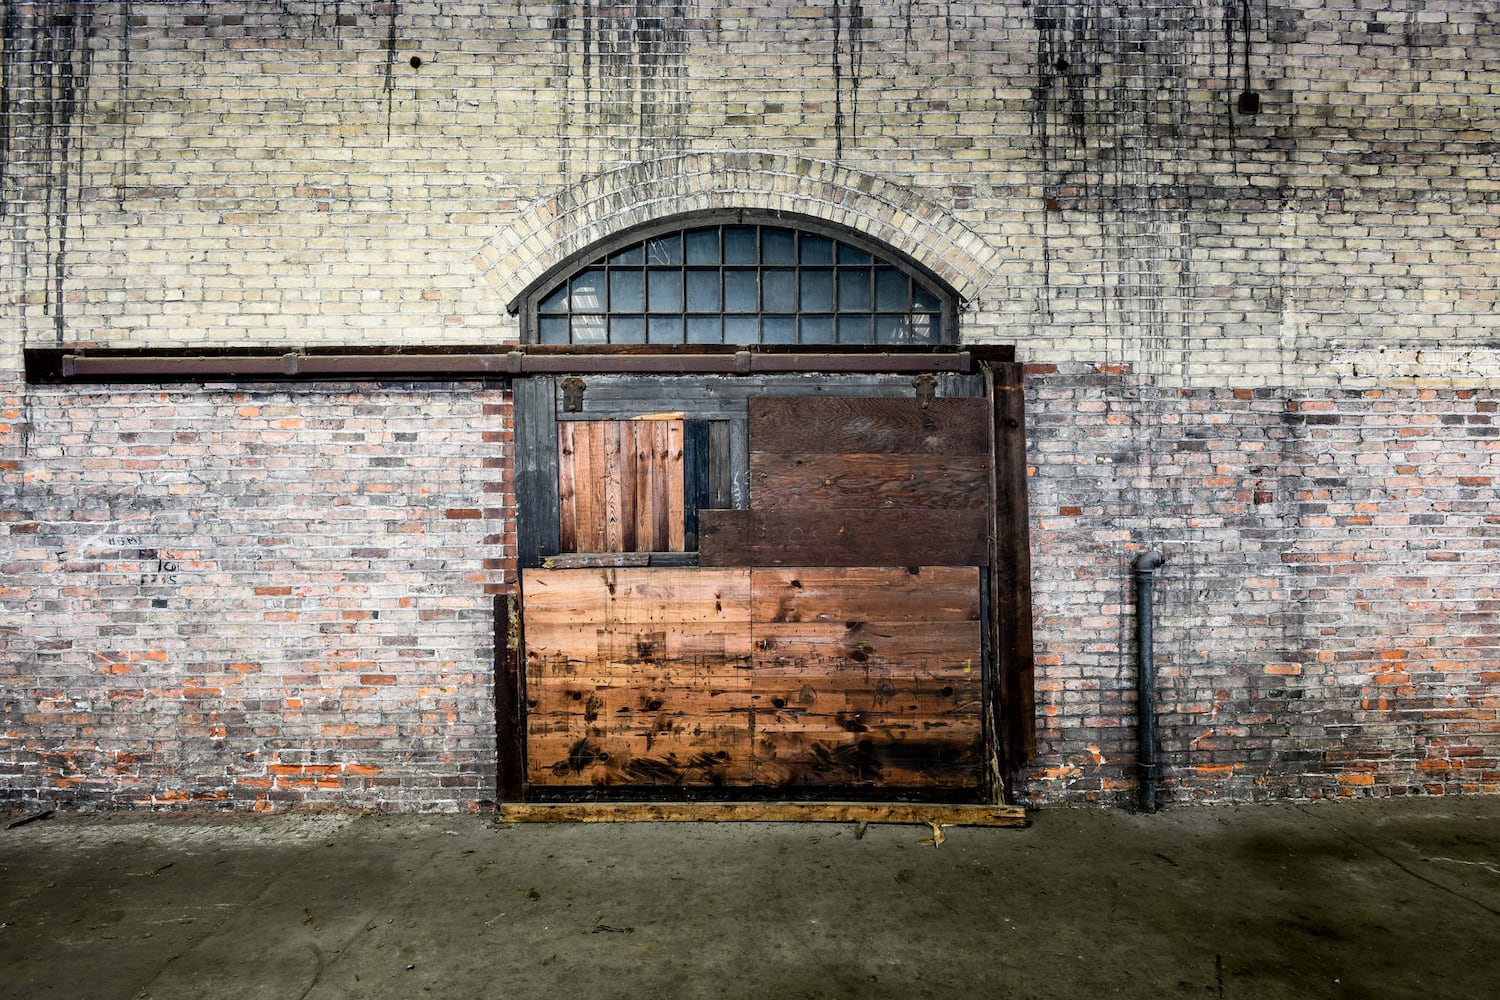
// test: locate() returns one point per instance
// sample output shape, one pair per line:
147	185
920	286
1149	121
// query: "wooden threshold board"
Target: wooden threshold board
913	814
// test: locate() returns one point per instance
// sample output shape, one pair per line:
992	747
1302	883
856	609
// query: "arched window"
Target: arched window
741	280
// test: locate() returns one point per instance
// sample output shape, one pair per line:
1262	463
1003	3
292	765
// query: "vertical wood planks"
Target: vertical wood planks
536	469
621	486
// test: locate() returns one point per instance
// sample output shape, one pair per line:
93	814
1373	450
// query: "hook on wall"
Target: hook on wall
572	389
926	386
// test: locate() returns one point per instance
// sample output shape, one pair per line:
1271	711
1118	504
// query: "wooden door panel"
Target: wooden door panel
837	537
813	678
856	481
614	595
830	639
798	756
621	485
868	425
865	593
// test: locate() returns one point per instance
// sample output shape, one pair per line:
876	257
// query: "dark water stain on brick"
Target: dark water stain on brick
46	64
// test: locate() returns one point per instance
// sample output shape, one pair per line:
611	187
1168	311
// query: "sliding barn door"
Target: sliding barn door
776	589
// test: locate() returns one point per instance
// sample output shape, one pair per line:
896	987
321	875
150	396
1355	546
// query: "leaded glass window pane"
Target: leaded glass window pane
891	290
778	246
854	329
554	329
741	329
739	245
704	330
778	290
666	329
854	291
740	284
626	291
703	246
817	291
664	250
817	329
778	329
816	249
588	292
627	330
922	300
740	293
588	330
557	302
703	292
665	291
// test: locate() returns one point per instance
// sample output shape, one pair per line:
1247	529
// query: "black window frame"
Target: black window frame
883	258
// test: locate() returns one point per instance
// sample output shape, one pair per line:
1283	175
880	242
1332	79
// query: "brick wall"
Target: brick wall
1327	613
313	171
1262	344
252	596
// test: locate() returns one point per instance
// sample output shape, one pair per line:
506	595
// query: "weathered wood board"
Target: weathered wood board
621	486
877	481
810	454
757	678
843	537
870	425
858	482
765	812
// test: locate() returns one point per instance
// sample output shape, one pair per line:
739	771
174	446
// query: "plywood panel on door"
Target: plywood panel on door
796	679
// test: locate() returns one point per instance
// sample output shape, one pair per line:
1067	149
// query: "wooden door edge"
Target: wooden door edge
764	812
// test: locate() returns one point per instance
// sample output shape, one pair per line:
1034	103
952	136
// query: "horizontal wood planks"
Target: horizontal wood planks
851	481
842	537
756	678
869	425
884	481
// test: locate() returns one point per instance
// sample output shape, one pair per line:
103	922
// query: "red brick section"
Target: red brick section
1328	619
256	598
253	598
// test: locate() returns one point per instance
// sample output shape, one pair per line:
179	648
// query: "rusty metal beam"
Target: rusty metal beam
183	366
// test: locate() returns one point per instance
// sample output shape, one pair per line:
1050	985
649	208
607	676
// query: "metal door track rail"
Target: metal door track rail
166	366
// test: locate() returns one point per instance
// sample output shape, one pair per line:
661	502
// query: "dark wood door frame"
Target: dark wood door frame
1009	628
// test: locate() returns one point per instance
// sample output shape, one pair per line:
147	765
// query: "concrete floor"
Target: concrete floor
1370	899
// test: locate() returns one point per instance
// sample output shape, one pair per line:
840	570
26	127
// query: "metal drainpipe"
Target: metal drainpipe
1146	565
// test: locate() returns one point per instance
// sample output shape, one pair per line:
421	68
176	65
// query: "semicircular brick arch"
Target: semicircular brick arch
558	226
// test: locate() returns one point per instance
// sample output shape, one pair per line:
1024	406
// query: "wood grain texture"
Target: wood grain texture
1015	680
896	425
621	486
809	678
843	537
880	481
866	593
637	676
536	469
766	812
